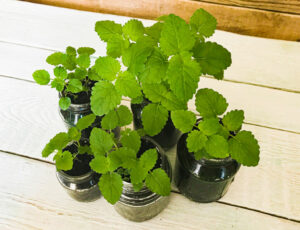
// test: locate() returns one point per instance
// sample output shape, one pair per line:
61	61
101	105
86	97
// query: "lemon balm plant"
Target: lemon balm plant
165	61
216	146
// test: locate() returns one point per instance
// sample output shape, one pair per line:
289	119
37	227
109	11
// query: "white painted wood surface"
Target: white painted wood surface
29	117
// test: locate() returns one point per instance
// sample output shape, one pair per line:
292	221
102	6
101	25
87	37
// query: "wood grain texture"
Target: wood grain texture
235	19
267	62
285	6
28	203
271	187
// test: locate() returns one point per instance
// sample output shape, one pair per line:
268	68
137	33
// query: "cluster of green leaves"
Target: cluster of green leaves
213	137
72	73
164	64
109	158
64	158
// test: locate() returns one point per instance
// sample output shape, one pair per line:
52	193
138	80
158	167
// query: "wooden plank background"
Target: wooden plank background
242	20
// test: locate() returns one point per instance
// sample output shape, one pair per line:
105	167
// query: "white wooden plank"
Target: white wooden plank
28	122
262	61
32	191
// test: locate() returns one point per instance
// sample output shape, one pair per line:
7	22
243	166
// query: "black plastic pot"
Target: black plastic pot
144	205
202	180
81	183
169	135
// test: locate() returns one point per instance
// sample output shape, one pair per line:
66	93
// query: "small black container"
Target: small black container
81	183
202	180
169	135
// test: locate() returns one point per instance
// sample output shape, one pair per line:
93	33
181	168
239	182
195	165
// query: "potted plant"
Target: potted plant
211	150
72	158
135	173
73	79
166	61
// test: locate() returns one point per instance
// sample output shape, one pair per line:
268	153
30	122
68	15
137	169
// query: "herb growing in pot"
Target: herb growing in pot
211	150
73	79
72	158
135	172
167	60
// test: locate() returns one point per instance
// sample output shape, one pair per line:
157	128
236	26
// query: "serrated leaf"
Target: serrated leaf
74	134
156	67
107	29
138	187
159	182
210	126
107	67
92	74
60	72
57	58
42	77
80	73
86	50
183	76
195	141
148	159
233	120
244	148
124	115
217	146
176	36
131	140
127	85
116	46
99	164
154	31
58	142
111	187
138	173
69	62
58	84
210	103
119	117
171	102
104	98
85	121
212	57
137	100
183	120
63	160
134	29
74	86
83	60
202	154
154	118
203	23
64	103
100	141
84	149
71	51
125	157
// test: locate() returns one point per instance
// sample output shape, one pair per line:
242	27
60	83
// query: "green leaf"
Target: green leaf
217	146
80	74
156	67
201	154
148	159
203	23
74	134
92	74
99	164
244	148
63	160
74	86
111	187
83	60
154	118
69	62
42	77
85	121
107	67
104	98
84	149
58	84
213	58
101	142
131	140
183	76
134	29
71	51
233	120
154	31
60	72
171	102
64	103
119	117
86	50
124	115
138	187
183	120
210	103
137	100
210	126
107	29
138	173
127	85
125	157
56	58
116	46
58	142
176	36
195	141
159	182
